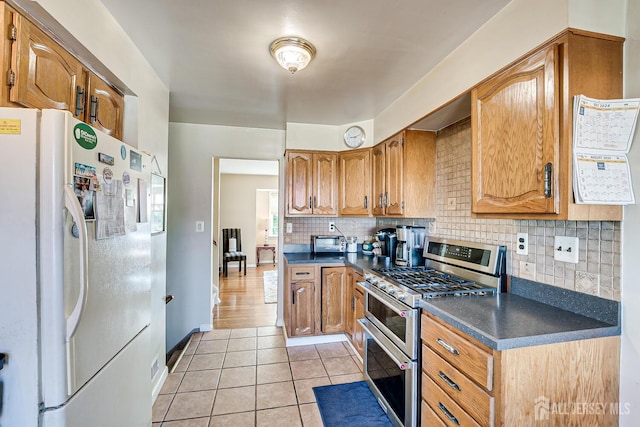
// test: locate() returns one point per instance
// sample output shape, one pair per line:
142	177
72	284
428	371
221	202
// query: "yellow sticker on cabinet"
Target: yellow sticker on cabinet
10	126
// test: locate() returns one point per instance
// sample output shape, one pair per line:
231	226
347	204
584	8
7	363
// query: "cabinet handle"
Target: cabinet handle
366	202
309	202
448	414
353	303
303	273
93	112
451	349
79	100
449	381
548	170
293	297
380	200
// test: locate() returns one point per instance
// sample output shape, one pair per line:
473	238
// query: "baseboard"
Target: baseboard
318	339
206	327
158	385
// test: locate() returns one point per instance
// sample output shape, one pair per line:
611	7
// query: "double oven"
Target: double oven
392	315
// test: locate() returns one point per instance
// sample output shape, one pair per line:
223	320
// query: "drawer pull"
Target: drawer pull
448	414
451	383
451	349
303	273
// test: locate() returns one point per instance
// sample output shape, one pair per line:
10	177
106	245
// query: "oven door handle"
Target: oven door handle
403	366
389	302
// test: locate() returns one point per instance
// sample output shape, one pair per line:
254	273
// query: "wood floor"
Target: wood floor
242	300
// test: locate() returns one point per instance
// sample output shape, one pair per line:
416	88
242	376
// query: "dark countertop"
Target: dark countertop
531	314
510	321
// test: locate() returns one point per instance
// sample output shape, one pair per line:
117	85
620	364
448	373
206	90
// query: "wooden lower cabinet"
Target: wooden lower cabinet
300	300
333	299
465	382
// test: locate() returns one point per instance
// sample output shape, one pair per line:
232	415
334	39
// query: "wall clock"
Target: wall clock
354	137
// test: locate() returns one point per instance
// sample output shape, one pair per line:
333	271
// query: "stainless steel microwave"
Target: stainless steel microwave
328	244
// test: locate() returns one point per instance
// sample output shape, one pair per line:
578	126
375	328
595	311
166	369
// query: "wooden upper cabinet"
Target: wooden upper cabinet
325	183
394	196
39	73
105	107
404	175
378	178
312	183
45	75
515	155
299	183
354	184
522	121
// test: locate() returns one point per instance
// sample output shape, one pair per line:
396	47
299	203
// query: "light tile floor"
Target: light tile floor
246	377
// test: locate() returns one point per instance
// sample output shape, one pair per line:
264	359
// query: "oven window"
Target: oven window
396	324
387	377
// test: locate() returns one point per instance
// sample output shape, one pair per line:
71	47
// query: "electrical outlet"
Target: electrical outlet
199	226
451	203
289	228
565	249
527	270
432	227
522	244
332	226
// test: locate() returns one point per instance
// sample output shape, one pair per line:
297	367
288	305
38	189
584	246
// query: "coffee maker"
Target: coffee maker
409	247
388	242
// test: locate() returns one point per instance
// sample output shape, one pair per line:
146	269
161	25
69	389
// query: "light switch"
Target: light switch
199	226
565	249
289	228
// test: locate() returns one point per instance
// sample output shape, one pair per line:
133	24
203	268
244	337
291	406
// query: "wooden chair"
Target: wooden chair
237	255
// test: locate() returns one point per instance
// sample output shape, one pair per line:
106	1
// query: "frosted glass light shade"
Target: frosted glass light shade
292	53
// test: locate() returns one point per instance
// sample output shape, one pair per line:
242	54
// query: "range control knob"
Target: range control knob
401	296
392	291
383	285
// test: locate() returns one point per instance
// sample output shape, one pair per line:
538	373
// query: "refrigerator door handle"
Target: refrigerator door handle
73	206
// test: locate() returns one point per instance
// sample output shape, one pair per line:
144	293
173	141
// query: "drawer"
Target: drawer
302	273
471	360
446	409
474	400
428	417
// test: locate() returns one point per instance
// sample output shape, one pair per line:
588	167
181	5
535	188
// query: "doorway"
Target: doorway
246	190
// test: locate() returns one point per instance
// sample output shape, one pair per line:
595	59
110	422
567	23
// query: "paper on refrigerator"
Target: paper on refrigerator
602	135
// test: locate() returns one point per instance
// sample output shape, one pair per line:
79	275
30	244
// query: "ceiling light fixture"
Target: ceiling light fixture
292	53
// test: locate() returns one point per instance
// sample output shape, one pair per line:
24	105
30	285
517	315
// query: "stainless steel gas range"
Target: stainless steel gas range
392	314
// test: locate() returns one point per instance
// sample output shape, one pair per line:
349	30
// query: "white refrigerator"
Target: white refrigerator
75	260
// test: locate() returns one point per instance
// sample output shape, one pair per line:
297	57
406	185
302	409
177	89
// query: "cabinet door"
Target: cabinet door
349	309
378	183
355	182
325	183
299	183
105	107
333	300
358	332
394	175
46	76
516	138
302	312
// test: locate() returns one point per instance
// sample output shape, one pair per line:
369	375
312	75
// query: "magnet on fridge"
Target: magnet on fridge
126	178
123	152
107	175
74	230
106	159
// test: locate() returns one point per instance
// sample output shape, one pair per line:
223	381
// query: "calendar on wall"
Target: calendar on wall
603	131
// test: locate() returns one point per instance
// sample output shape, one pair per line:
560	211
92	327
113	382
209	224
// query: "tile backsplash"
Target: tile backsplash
599	264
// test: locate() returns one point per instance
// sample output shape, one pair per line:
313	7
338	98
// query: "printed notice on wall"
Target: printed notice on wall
602	135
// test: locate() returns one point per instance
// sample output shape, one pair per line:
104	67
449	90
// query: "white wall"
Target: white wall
189	276
519	27
238	208
630	369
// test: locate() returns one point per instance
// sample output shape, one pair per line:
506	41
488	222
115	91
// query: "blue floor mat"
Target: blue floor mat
349	405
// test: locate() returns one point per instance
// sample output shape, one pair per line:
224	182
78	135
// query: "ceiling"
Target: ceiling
213	55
